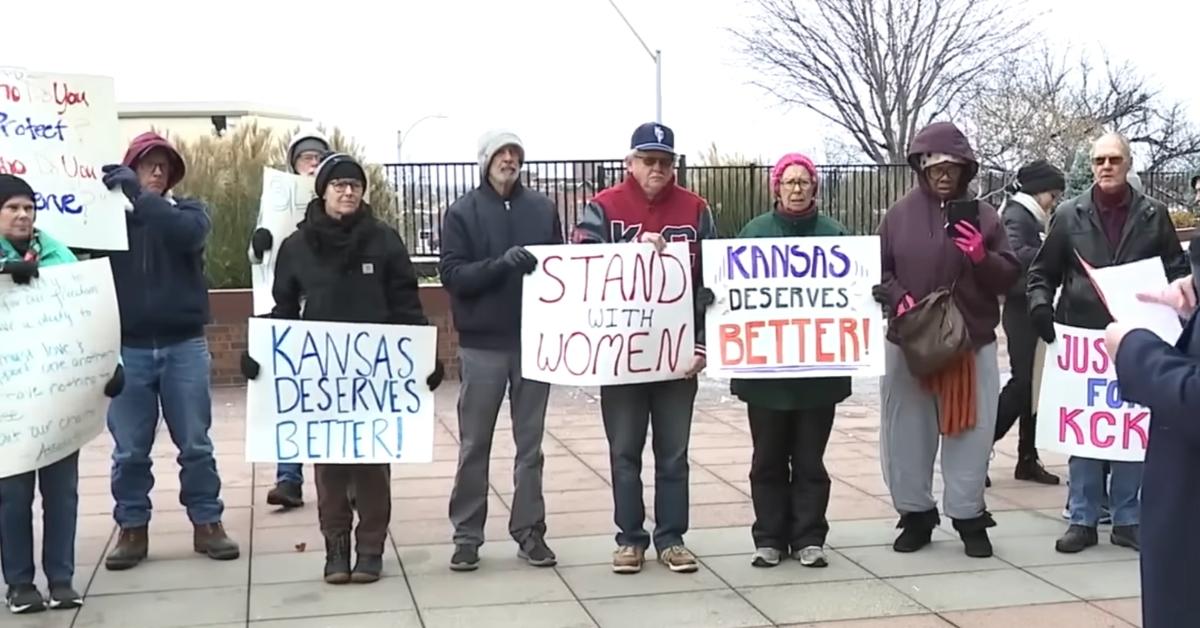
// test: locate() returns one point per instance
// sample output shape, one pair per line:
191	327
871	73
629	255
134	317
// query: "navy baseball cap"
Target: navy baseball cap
653	136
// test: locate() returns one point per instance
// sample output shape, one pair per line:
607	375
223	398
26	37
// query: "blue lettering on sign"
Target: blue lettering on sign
62	203
10	128
340	439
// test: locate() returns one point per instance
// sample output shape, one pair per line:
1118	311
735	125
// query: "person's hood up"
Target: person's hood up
149	141
947	139
491	143
306	139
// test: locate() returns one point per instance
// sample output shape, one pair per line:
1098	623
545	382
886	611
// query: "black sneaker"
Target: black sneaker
1126	536
64	597
466	558
535	552
287	495
917	530
1031	469
25	598
1076	539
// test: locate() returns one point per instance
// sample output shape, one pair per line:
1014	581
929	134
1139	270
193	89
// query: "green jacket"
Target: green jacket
49	251
792	394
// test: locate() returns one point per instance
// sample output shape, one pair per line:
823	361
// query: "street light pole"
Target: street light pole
401	135
655	56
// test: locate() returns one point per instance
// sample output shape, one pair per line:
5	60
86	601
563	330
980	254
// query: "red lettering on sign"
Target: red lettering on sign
12	166
65	98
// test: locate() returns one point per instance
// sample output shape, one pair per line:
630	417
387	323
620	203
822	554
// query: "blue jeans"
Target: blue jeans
59	483
292	472
177	376
628	410
1086	491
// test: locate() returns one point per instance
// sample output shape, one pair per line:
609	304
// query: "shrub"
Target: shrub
226	173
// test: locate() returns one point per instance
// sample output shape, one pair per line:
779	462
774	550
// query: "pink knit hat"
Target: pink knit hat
793	159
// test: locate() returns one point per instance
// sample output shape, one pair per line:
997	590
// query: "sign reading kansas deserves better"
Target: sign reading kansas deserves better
340	392
793	307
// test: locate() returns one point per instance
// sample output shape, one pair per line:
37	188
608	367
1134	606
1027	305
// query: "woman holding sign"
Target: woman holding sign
944	258
22	250
791	419
347	266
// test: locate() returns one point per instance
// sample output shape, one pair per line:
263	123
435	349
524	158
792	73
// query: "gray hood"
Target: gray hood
305	139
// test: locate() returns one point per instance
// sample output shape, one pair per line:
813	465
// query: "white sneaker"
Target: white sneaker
811	556
766	557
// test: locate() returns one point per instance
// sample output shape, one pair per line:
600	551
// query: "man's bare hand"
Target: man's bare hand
1179	296
660	243
698	364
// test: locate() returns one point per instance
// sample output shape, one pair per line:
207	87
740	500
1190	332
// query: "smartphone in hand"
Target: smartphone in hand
961	211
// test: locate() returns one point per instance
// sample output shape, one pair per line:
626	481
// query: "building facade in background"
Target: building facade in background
193	120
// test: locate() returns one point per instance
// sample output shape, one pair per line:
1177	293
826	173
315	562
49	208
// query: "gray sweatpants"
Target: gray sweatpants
908	439
486	376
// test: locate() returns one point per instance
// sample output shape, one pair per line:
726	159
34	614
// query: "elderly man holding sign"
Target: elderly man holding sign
1110	224
347	266
649	206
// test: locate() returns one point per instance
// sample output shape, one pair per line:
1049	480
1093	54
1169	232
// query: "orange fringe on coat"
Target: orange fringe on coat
955	390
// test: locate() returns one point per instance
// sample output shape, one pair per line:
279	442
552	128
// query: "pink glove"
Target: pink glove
906	303
970	242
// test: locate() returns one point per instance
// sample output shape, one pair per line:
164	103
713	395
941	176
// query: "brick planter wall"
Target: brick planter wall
227	332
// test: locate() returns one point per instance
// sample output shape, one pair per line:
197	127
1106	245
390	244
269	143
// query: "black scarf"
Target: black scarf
342	240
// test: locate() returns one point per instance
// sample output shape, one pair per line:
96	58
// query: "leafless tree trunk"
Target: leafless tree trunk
880	69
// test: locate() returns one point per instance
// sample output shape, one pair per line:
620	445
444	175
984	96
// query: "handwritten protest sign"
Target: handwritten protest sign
340	392
60	339
1080	411
285	197
793	307
56	132
608	314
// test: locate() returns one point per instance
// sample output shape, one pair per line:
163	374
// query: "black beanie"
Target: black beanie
1040	176
338	166
11	186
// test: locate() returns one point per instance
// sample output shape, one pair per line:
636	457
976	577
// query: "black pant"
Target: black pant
788	481
1016	399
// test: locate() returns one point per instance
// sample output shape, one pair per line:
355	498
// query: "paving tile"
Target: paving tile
598	581
152	575
865	532
1018	523
586	550
907	621
282	540
1072	615
738	572
488	587
858	505
435	559
986	589
721	515
541	615
1037	551
1029	497
827	601
314	598
939	557
710	608
578	501
396	619
57	619
720	541
303	567
1129	609
170	609
1095	581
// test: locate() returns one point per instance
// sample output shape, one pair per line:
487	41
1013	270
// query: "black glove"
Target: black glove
880	294
261	242
706	297
250	367
1042	317
124	178
519	258
22	271
435	378
116	383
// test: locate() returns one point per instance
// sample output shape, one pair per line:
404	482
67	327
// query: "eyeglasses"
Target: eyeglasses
345	184
1115	160
947	171
802	184
652	161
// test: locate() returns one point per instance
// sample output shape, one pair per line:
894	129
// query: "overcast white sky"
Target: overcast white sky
566	75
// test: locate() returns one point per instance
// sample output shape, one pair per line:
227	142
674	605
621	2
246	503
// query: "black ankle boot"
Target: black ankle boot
368	568
917	530
1029	468
337	558
973	533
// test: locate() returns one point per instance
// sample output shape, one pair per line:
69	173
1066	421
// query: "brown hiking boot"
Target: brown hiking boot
132	546
211	539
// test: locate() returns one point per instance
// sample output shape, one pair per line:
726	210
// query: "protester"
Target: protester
1195	183
649	206
483	263
23	249
1111	223
303	155
1167	380
1038	188
163	298
958	403
791	419
347	266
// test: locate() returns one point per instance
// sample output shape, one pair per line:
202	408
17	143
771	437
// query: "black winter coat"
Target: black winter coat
379	287
1076	227
1024	231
